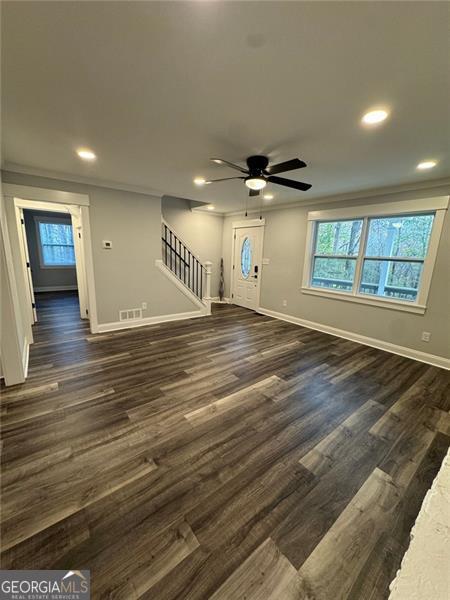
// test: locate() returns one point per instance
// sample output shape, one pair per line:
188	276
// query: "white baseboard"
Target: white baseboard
25	358
430	359
116	325
216	300
56	288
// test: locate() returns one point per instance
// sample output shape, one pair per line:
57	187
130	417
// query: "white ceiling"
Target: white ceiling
155	89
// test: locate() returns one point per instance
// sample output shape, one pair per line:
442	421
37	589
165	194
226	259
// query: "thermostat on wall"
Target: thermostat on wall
107	244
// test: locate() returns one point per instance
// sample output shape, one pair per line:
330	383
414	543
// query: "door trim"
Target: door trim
244	225
83	249
25	262
249	223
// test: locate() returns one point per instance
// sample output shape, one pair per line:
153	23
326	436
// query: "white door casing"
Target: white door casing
25	258
247	262
77	229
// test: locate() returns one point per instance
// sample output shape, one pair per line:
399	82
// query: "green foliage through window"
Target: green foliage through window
394	251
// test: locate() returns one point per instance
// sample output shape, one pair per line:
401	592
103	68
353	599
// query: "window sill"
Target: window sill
359	299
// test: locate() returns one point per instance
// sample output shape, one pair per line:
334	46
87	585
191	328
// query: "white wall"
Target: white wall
284	245
202	232
125	276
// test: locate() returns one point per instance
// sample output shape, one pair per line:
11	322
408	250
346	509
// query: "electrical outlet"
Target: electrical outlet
284	302
426	336
144	306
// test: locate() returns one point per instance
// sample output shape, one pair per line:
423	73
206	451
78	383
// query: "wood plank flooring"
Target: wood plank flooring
229	457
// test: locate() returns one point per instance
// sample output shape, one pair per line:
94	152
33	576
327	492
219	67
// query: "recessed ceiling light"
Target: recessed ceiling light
199	181
268	196
374	117
426	164
210	207
86	154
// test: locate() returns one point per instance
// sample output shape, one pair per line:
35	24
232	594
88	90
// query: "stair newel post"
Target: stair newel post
207	296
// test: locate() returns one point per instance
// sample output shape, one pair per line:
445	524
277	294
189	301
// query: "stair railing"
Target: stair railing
184	264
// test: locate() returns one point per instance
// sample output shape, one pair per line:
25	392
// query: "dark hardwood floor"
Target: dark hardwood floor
228	457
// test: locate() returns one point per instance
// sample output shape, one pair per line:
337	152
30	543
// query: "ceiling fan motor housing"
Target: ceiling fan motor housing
256	165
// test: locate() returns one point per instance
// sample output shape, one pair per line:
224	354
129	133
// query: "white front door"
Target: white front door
247	259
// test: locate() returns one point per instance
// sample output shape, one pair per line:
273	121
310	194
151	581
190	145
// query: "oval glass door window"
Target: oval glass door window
246	258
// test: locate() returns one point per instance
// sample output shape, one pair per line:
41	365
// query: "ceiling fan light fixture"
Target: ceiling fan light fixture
255	183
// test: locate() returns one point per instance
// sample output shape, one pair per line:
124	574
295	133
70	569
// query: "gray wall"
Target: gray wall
125	276
284	245
46	278
202	232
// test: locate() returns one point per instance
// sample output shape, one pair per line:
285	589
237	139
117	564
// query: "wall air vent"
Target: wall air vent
132	314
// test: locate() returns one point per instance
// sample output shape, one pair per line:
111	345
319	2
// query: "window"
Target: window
385	259
246	258
56	247
336	251
394	257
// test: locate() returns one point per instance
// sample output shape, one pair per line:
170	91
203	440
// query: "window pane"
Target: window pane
338	237
246	258
56	233
58	255
56	244
406	236
335	273
393	279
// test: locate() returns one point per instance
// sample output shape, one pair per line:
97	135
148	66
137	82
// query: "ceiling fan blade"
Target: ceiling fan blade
221	161
288	165
297	185
253	192
223	179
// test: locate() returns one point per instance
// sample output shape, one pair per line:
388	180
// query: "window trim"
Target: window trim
56	220
438	206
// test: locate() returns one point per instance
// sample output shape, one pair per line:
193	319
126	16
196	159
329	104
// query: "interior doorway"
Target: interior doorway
247	261
50	241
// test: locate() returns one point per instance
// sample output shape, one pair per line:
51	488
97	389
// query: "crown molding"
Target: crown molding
114	185
436	187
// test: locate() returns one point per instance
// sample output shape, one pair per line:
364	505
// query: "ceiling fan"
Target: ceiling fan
258	173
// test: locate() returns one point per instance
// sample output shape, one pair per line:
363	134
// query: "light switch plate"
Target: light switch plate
266	261
107	244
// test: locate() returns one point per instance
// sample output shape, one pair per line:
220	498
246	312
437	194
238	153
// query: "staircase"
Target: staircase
183	264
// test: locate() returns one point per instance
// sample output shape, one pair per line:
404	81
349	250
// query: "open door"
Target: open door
26	260
80	266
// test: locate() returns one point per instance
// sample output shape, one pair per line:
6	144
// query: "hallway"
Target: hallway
165	458
58	317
